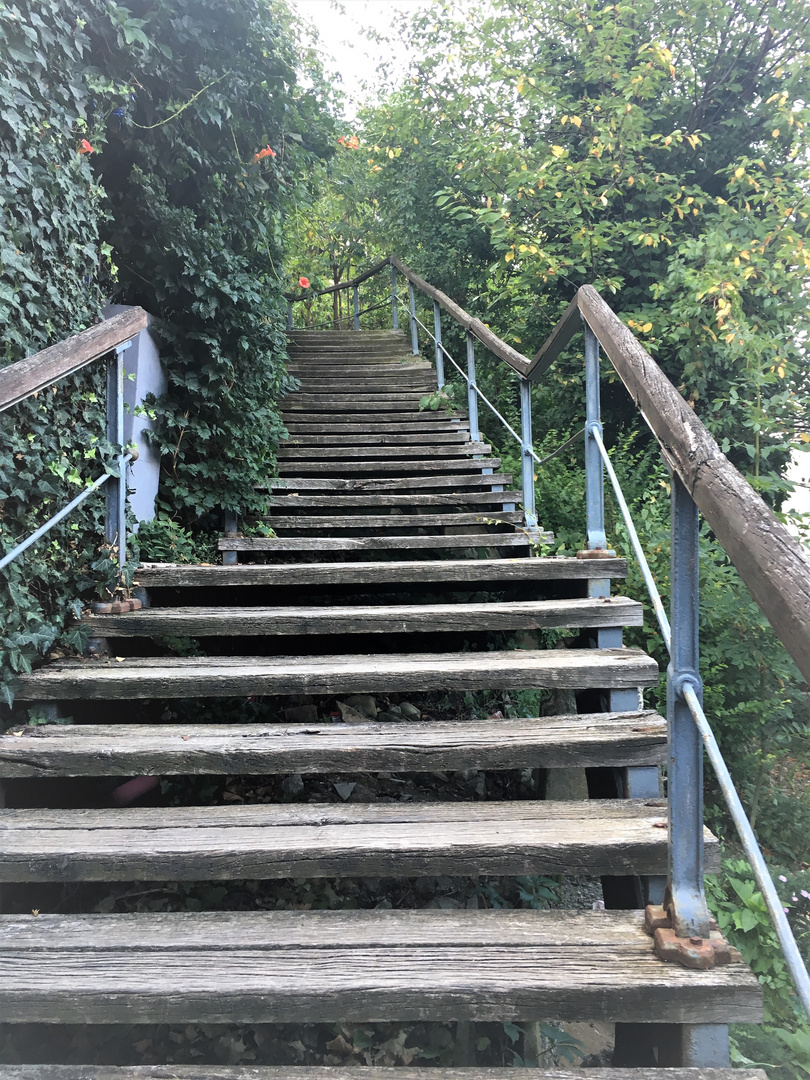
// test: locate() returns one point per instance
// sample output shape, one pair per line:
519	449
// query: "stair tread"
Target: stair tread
279	840
454	482
368	573
361	543
448	439
291	451
350	966
381	467
361	618
393	521
594	739
338	502
191	676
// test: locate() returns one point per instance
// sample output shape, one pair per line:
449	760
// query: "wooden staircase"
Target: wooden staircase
400	566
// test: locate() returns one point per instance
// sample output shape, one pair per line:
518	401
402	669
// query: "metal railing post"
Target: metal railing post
356	295
289	315
690	916
526	448
472	396
414	327
394	301
115	523
437	333
594	480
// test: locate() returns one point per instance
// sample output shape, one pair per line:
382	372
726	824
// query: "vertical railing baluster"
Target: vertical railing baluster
115	525
594	476
414	326
394	301
690	915
356	295
289	315
437	333
526	448
472	396
231	558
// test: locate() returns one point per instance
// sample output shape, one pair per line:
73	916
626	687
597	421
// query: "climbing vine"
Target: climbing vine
147	156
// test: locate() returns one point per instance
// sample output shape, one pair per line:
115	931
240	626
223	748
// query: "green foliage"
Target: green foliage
131	168
196	224
163	540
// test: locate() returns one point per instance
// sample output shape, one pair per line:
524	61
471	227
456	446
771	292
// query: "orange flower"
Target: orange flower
266	152
303	282
86	148
351	141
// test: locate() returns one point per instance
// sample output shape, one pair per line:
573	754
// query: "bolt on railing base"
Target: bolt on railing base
698	953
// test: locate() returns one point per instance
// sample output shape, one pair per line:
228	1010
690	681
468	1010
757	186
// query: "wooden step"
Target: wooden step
359	1072
351	403
414	424
188	676
339	502
393	521
459	571
367	421
363	619
292	452
252	967
407	467
374	543
548	742
454	482
380	438
278	840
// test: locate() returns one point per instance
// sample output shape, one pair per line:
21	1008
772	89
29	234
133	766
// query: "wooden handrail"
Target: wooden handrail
18	381
512	357
770	561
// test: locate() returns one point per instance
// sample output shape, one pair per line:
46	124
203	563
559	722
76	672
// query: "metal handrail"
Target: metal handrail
689	690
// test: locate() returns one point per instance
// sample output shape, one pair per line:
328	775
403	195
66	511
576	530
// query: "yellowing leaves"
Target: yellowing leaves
804	437
509	256
739	172
557	151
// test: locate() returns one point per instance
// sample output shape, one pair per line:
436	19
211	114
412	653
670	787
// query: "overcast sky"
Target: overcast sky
340	25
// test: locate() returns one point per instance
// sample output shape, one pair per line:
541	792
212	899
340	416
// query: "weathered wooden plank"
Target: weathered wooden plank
197	843
26	377
456	483
406	467
380	438
357	966
600	740
459	571
312	386
393	521
522	669
374	543
363	619
361	1072
288	452
771	562
339	501
512	357
352	404
413	424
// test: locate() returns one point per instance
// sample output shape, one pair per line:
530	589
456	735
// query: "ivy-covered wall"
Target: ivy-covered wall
148	155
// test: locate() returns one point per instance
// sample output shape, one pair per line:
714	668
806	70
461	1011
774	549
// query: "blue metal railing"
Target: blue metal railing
689	732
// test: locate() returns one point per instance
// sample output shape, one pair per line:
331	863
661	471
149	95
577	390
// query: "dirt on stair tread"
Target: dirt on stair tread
188	676
361	618
252	967
595	739
438	570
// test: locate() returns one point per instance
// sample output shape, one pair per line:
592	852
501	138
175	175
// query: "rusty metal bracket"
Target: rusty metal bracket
693	952
597	553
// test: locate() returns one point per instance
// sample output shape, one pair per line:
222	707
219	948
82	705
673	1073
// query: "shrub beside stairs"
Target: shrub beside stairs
399	567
